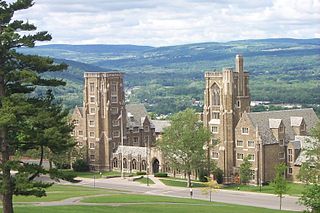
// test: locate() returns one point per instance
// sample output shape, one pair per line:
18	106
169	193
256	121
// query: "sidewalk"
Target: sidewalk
157	182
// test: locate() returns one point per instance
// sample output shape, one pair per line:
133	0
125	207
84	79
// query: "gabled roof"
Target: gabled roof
260	120
135	114
78	110
274	123
296	121
159	125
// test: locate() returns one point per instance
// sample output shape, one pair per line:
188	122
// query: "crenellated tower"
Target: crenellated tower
226	97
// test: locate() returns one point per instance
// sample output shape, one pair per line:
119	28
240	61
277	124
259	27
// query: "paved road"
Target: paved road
226	196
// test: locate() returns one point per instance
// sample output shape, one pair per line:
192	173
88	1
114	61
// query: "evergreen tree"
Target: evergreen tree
184	141
19	76
245	171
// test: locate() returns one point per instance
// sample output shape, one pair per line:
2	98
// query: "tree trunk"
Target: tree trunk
6	181
280	202
189	179
6	175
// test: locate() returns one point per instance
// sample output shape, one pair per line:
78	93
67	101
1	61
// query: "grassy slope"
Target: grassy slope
144	180
295	189
61	192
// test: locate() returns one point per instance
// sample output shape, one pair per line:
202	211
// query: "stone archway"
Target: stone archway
155	166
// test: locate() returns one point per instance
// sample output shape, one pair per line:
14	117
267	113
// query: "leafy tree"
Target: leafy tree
310	171
211	186
184	141
20	129
245	171
279	183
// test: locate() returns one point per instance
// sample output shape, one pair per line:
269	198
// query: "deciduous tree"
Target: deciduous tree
183	143
279	183
310	171
245	171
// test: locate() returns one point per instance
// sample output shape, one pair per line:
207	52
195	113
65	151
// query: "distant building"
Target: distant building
116	134
267	138
98	127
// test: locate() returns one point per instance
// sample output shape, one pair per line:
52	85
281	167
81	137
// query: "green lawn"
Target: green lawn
143	203
61	192
134	198
295	189
94	174
146	208
144	180
180	183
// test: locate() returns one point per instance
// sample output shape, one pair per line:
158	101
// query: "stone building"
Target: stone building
226	98
266	138
270	138
118	135
110	130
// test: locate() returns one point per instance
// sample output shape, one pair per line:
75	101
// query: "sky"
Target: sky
173	22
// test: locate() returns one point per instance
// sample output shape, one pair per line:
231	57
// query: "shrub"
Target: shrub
218	173
80	165
203	175
62	165
141	173
161	174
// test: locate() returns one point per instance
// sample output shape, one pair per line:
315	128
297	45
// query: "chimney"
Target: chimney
239	63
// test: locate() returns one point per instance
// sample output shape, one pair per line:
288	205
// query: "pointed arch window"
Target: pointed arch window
215	95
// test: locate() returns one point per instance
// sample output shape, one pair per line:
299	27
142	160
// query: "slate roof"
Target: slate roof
131	150
136	114
160	125
260	120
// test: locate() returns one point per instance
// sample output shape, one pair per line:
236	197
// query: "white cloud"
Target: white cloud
167	22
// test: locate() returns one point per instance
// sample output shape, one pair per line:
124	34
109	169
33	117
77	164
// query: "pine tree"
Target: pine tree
19	76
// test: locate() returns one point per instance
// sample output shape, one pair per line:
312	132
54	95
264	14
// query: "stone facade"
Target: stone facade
111	131
266	138
226	98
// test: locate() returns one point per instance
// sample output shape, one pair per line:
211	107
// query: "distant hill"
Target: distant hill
281	70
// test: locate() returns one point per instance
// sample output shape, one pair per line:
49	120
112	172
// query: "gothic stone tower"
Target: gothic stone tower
226	97
103	103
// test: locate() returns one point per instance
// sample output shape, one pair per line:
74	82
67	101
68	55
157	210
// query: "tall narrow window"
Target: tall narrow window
290	155
91	87
215	95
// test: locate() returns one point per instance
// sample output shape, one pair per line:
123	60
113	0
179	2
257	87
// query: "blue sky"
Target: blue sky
173	22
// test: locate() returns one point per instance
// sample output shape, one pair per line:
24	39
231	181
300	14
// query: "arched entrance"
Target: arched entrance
155	166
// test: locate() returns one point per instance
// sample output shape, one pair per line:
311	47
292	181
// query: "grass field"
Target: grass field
180	183
295	189
94	174
129	203
61	192
146	208
144	180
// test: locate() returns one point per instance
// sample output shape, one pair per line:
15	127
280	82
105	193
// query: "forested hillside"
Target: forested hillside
167	79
